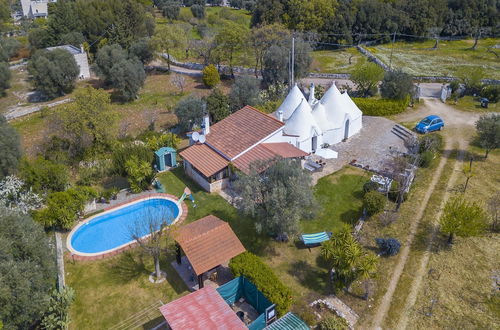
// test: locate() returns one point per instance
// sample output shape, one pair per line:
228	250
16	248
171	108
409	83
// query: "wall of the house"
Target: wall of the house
202	181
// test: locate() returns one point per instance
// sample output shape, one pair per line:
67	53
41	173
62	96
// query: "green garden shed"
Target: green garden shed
165	157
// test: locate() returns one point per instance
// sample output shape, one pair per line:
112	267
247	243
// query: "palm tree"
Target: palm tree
348	259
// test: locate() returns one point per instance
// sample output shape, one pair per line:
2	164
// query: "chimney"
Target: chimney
206	124
82	50
280	115
311	94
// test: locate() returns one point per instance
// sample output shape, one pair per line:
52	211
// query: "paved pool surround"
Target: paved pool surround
75	255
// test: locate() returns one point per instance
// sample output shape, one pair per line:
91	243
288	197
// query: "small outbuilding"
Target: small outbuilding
165	158
207	243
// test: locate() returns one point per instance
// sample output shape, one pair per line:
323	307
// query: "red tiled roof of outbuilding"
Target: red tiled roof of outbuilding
201	310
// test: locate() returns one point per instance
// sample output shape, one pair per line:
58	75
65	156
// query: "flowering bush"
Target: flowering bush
15	196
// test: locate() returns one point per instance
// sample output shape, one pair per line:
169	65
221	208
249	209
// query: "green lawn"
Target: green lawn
472	104
335	61
418	58
111	290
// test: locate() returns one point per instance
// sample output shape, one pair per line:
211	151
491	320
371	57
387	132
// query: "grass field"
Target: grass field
111	290
472	104
156	99
419	59
335	61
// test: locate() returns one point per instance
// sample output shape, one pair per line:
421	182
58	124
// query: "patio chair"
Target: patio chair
313	240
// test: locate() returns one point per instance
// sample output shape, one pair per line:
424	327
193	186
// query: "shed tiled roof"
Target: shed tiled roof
267	151
201	310
204	159
208	243
243	129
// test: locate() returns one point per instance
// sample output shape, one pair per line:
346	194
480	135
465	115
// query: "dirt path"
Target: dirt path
419	275
454	120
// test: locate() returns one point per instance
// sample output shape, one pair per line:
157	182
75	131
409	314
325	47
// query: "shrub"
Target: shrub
454	85
426	158
381	107
198	11
139	173
5	76
57	316
64	207
333	322
492	93
44	175
397	85
122	154
394	191
430	142
388	246
171	10
260	274
374	202
211	76
370	186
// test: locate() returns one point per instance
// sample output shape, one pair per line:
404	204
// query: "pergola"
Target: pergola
207	243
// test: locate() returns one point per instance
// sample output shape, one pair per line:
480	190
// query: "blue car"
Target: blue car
430	124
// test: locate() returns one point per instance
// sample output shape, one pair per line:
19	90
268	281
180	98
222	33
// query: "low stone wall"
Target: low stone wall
330	75
372	57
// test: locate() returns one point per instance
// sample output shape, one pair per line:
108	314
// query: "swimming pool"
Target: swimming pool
111	230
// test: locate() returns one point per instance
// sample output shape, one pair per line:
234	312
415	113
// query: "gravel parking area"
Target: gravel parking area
374	146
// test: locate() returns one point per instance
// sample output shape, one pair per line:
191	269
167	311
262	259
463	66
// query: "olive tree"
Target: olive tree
488	131
27	270
150	232
53	72
189	112
365	76
5	76
277	196
10	148
462	218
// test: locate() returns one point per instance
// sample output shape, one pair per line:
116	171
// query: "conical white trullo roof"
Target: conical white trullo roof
321	118
290	103
351	107
334	105
301	123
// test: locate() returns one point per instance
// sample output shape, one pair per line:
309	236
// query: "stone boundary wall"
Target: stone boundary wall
132	244
224	70
372	57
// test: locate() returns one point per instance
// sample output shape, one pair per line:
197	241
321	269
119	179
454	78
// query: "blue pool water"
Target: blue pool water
113	229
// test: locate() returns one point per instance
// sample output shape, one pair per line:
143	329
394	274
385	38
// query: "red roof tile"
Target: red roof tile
241	130
201	310
285	150
208	243
267	151
204	158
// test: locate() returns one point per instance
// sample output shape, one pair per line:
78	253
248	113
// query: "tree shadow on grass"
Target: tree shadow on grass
127	267
310	276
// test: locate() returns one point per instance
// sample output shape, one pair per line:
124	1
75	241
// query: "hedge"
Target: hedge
260	274
381	107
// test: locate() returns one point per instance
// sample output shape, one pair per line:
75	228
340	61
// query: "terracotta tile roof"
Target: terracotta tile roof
285	150
208	243
201	310
241	130
206	160
267	151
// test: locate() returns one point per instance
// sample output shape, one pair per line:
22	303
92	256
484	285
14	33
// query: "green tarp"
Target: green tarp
241	287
